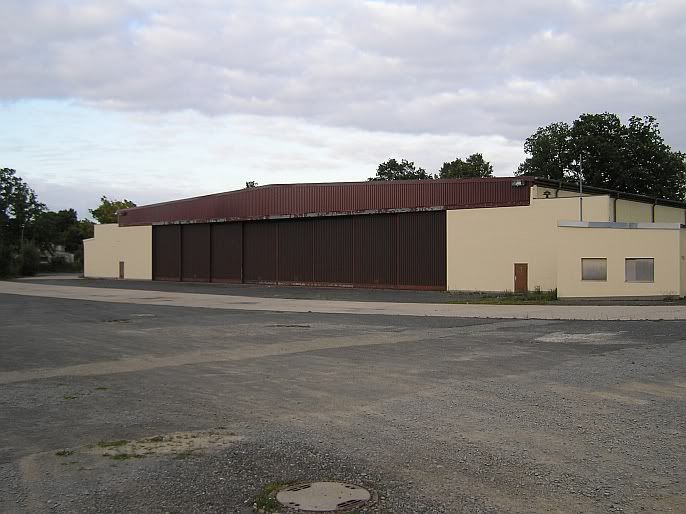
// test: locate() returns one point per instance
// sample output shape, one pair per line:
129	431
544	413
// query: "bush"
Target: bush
30	259
5	260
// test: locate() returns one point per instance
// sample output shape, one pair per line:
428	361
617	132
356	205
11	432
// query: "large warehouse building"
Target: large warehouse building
501	234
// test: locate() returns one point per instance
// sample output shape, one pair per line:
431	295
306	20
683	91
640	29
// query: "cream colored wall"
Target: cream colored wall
683	262
616	245
484	244
111	244
665	214
633	212
538	192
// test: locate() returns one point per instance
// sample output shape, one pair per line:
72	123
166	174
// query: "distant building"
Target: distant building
500	234
58	254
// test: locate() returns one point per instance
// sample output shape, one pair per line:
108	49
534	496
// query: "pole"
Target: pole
581	192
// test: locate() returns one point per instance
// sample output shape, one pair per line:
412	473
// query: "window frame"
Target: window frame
604	259
626	278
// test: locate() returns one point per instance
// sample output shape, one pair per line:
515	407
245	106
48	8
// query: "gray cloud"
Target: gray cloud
436	67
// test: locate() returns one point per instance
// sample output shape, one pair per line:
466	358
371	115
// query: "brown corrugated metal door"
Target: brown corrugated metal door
422	250
333	250
295	252
260	244
195	253
166	251
227	252
376	241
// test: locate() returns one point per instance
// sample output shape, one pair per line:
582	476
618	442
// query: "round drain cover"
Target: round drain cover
323	497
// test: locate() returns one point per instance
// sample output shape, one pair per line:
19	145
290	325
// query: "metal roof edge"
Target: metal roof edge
620	195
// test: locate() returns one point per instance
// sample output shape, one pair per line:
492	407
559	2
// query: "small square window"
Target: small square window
640	270
593	269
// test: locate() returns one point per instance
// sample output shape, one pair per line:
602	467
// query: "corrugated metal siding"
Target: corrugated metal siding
298	200
405	250
295	252
166	255
422	249
195	253
260	245
227	252
333	253
376	246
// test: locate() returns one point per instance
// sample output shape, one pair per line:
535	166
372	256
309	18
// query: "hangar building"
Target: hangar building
500	234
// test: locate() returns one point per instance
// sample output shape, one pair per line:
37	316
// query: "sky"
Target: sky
153	100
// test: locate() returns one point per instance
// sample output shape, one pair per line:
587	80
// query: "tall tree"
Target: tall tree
19	207
106	212
473	166
632	158
403	170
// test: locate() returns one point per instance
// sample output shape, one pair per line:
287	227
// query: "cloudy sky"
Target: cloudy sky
159	99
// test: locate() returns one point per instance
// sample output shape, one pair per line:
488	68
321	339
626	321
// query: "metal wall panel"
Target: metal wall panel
195	253
260	245
300	200
295	251
227	252
333	250
166	245
422	249
375	250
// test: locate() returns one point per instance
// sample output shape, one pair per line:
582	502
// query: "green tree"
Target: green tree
473	166
550	152
403	170
250	184
632	158
19	207
106	212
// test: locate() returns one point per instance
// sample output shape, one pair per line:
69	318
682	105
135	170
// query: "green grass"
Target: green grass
112	444
101	388
266	499
509	298
127	456
69	397
64	453
187	454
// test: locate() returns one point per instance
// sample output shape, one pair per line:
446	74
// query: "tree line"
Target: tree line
28	229
596	148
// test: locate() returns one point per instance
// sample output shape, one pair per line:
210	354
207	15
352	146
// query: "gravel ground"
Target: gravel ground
434	414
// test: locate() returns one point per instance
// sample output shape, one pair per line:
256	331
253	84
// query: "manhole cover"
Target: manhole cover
323	497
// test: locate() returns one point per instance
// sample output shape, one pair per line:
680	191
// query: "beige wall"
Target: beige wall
538	192
112	244
634	212
484	244
683	262
617	244
665	214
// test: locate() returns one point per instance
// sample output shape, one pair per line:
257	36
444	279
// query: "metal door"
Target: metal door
521	277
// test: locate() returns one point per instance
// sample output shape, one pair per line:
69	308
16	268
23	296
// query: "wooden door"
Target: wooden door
521	277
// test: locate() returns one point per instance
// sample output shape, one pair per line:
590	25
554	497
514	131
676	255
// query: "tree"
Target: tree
403	170
250	184
473	166
549	150
19	207
632	158
106	212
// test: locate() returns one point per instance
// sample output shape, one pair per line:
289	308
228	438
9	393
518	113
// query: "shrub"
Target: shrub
30	259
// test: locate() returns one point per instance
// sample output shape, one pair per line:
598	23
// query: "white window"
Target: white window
593	269
640	270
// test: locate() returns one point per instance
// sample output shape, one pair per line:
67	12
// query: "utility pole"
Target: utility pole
581	192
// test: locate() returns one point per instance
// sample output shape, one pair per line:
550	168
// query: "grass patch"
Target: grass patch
112	444
156	439
64	453
102	388
510	298
70	397
266	499
127	456
187	454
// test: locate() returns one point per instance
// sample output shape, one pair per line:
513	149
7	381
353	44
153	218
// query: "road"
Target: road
127	406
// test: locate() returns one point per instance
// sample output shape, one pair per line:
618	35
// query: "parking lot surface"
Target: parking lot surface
130	407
